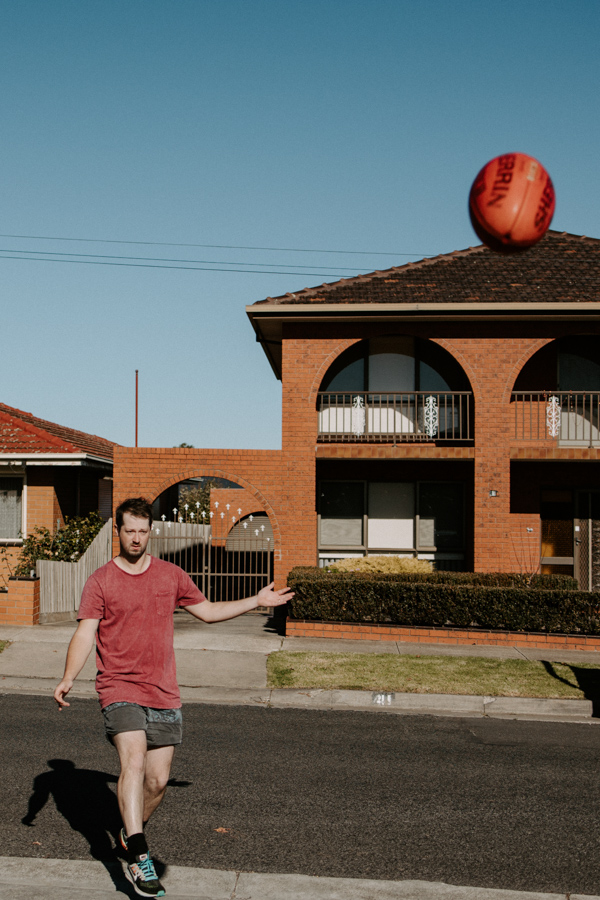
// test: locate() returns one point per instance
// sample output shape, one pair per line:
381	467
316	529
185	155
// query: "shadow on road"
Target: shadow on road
587	680
83	797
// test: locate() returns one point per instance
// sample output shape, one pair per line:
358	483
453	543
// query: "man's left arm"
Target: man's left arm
229	609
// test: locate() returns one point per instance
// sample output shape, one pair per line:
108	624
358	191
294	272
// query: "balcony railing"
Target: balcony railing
565	418
392	417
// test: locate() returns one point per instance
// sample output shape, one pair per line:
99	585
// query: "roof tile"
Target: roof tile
560	268
22	432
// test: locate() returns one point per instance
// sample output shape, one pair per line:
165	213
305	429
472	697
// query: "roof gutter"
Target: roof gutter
50	459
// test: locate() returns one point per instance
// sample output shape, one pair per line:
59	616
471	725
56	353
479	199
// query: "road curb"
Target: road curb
437	704
63	878
463	705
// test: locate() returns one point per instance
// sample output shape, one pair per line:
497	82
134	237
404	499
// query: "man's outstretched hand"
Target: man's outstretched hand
268	597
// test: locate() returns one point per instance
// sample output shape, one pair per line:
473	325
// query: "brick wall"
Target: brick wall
20	605
283	482
262	473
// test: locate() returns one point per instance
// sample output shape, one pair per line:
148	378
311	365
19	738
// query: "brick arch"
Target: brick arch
524	359
350	342
465	365
327	362
210	471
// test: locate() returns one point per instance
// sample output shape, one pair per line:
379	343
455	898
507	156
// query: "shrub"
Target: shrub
484	579
423	601
66	544
390	565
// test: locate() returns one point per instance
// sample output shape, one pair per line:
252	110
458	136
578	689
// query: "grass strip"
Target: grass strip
433	675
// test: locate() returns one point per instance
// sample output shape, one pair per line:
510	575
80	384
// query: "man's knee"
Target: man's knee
156	782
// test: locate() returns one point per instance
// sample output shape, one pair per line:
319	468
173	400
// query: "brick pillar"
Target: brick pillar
492	525
21	604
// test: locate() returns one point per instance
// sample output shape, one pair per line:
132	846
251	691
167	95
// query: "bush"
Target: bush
391	565
483	579
66	544
424	601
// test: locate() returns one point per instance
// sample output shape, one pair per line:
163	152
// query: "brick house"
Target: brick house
447	408
48	472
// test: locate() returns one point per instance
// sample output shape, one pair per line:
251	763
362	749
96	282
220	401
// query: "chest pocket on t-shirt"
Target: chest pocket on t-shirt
164	603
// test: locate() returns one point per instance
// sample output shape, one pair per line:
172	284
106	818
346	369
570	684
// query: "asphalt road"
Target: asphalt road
479	802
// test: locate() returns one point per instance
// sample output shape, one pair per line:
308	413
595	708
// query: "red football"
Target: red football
511	202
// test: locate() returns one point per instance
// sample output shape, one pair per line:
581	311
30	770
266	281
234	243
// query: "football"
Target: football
512	202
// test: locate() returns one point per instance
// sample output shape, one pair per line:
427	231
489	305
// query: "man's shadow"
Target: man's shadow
83	797
587	680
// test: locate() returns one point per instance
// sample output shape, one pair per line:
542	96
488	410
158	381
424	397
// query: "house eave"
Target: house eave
267	318
55	459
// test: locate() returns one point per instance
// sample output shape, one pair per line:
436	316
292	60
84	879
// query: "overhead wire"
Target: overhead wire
38	237
211	262
95	262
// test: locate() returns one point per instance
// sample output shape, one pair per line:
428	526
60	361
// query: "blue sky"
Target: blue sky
303	124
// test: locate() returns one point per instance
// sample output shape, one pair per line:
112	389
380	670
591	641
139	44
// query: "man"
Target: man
127	608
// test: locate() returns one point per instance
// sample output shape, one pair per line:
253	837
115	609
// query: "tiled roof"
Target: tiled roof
22	432
560	268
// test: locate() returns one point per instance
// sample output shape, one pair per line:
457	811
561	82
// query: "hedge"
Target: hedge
484	579
389	600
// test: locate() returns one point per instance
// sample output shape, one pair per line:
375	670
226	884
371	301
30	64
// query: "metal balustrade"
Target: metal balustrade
394	416
565	418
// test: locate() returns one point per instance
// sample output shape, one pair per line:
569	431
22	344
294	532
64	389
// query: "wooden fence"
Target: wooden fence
61	583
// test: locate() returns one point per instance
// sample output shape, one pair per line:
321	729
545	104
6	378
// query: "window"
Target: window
400	518
441	515
396	363
105	490
342	511
11	516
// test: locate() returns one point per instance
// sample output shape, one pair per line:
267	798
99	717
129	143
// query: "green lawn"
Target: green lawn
433	675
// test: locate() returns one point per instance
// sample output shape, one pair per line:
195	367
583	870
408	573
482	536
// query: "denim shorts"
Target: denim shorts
163	727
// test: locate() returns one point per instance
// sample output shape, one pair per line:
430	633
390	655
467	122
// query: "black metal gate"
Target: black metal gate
228	557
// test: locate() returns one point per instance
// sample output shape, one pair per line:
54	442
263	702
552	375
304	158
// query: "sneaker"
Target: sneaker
142	875
123	839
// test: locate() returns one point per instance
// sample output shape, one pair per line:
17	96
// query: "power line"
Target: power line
210	262
91	262
39	237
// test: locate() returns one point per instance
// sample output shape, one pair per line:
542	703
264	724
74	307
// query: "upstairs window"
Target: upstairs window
566	364
397	363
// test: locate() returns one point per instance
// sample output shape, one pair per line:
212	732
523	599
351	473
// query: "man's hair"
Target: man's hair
135	506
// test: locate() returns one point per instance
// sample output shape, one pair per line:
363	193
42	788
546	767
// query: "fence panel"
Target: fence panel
61	583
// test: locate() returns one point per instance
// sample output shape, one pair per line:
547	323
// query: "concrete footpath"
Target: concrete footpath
53	879
226	663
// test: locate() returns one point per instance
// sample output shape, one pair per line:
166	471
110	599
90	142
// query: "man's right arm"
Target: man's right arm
77	654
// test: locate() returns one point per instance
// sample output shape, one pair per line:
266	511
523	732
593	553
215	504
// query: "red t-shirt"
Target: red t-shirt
134	642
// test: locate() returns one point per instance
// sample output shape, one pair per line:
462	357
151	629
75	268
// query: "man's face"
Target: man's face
134	535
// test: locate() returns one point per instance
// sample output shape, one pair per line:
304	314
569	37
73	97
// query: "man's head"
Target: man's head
136	506
133	520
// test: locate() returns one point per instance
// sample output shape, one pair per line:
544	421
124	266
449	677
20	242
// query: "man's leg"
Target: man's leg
132	750
158	769
133	755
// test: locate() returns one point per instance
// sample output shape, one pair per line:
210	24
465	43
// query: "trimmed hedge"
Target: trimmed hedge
425	602
483	579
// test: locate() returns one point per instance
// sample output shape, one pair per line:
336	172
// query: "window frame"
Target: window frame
22	475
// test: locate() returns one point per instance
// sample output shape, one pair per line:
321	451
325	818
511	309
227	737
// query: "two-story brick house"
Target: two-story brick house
447	408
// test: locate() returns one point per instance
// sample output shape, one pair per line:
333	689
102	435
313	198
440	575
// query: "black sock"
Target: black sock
136	846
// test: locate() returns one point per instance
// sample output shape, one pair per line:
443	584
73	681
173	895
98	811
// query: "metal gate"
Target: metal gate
227	554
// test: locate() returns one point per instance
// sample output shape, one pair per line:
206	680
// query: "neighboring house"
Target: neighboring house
448	408
48	472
